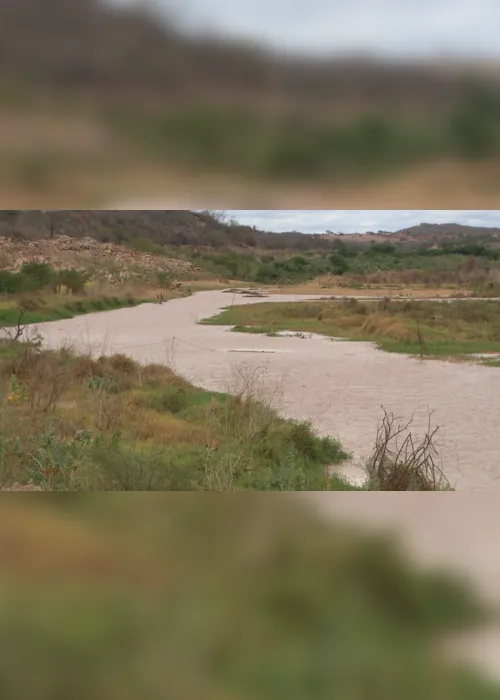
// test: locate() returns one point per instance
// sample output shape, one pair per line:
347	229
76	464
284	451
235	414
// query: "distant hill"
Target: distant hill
447	230
92	45
206	230
169	227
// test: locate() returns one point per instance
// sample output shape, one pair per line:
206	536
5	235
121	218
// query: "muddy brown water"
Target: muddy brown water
340	386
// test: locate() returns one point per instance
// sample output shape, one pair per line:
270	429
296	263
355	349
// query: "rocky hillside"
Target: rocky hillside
175	227
105	261
206	231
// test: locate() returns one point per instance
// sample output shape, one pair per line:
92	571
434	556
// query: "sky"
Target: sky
352	221
392	28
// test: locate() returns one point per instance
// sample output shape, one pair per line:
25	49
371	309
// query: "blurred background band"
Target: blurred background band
339	106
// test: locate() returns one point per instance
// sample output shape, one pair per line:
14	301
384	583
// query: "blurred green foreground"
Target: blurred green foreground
216	597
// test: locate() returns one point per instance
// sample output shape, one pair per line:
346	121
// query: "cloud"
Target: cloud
390	27
350	221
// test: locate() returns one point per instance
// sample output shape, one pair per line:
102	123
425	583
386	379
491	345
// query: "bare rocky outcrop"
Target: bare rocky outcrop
103	260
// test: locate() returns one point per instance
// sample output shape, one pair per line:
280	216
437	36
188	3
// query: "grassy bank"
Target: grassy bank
77	423
42	309
238	597
38	293
458	328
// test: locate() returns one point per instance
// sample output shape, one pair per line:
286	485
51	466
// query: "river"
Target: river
340	386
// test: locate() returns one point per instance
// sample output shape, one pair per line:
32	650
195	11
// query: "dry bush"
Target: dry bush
122	363
352	321
329	311
252	398
107	405
154	374
108	411
253	384
120	371
401	462
376	324
351	304
384	304
146	424
408	307
45	375
86	367
243	420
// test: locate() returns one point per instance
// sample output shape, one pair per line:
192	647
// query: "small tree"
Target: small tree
338	264
72	279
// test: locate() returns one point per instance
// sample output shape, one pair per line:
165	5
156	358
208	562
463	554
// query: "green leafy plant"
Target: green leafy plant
54	462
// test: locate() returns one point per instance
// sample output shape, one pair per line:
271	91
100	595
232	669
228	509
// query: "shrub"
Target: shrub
400	462
122	363
146	245
135	468
10	282
164	279
381	249
171	399
41	273
338	264
73	279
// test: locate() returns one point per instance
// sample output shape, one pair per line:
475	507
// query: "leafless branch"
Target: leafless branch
400	462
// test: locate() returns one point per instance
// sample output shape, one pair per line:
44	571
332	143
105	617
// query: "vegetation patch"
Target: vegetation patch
38	309
425	328
76	423
239	140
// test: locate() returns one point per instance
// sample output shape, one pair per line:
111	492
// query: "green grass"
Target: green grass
460	328
109	424
491	363
9	313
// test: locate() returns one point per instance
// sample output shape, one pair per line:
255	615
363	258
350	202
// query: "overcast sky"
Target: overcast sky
350	221
420	28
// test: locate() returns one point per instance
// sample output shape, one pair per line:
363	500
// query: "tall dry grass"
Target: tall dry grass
469	276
